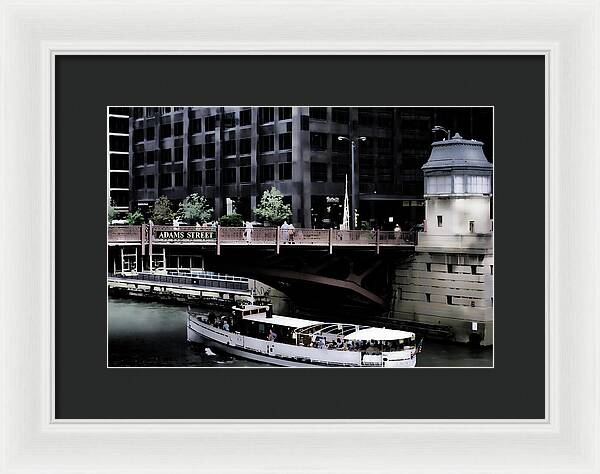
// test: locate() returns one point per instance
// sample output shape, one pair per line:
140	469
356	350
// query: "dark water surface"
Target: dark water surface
152	334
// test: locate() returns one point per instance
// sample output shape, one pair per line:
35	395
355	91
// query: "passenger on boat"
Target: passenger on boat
225	326
272	335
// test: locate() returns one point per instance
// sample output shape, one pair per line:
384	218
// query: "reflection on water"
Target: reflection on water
152	334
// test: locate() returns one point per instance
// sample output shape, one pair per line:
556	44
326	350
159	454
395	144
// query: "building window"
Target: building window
195	152
138	135
209	150
178	179
428	297
267	173
318	113
318	141
165	155
150	157
150	133
450	268
196	126
428	266
165	130
138	159
448	299
138	182
471	226
266	115
245	117
439	221
340	114
266	143
491	269
318	172
229	120
285	113
210	177
339	173
178	154
150	181
339	146
178	129
196	178
229	175
165	180
210	123
473	269
285	141
285	171
384	120
245	146
229	147
245	174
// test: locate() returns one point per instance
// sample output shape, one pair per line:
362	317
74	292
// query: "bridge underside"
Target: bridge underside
347	280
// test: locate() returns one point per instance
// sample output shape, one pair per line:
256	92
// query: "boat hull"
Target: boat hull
201	334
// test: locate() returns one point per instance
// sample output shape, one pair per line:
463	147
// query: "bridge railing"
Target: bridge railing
256	235
162	234
124	233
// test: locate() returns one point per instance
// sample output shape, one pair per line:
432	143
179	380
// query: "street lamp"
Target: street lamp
354	145
439	128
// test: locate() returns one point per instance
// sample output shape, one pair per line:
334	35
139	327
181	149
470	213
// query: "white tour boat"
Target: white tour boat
254	333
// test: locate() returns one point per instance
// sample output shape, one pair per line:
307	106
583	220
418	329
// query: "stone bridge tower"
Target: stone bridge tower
449	281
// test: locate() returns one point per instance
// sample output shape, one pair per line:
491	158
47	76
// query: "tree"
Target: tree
162	212
111	211
272	209
232	220
194	208
134	218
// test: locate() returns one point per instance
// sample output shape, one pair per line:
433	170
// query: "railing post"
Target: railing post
330	241
150	236
218	238
377	241
277	240
143	239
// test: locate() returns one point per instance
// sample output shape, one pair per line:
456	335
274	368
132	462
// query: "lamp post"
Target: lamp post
439	128
354	201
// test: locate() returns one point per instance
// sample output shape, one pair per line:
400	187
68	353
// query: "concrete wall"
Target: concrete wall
452	289
456	214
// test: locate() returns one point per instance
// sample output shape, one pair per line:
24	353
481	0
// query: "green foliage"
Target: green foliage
232	220
135	218
162	212
194	208
272	209
111	211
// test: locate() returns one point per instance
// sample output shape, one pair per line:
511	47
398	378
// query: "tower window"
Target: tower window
450	268
474	269
471	226
449	299
428	266
439	221
428	297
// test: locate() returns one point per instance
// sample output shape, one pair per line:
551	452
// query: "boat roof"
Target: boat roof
378	334
279	320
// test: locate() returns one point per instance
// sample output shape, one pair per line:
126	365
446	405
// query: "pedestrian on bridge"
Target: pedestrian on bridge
285	235
248	231
397	232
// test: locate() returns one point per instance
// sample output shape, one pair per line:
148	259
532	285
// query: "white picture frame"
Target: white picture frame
33	33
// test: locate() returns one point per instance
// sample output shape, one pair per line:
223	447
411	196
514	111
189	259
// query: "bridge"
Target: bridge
312	266
275	237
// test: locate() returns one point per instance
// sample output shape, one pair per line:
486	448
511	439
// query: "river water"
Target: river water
153	334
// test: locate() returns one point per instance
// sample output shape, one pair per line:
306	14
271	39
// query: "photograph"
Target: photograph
300	236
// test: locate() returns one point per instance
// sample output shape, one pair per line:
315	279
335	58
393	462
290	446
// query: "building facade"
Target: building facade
118	158
239	152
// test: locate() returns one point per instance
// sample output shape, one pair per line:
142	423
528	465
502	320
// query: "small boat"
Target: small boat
253	332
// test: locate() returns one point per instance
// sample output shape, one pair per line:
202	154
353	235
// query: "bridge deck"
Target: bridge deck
260	236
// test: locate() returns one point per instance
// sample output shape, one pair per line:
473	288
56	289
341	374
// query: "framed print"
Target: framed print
433	161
